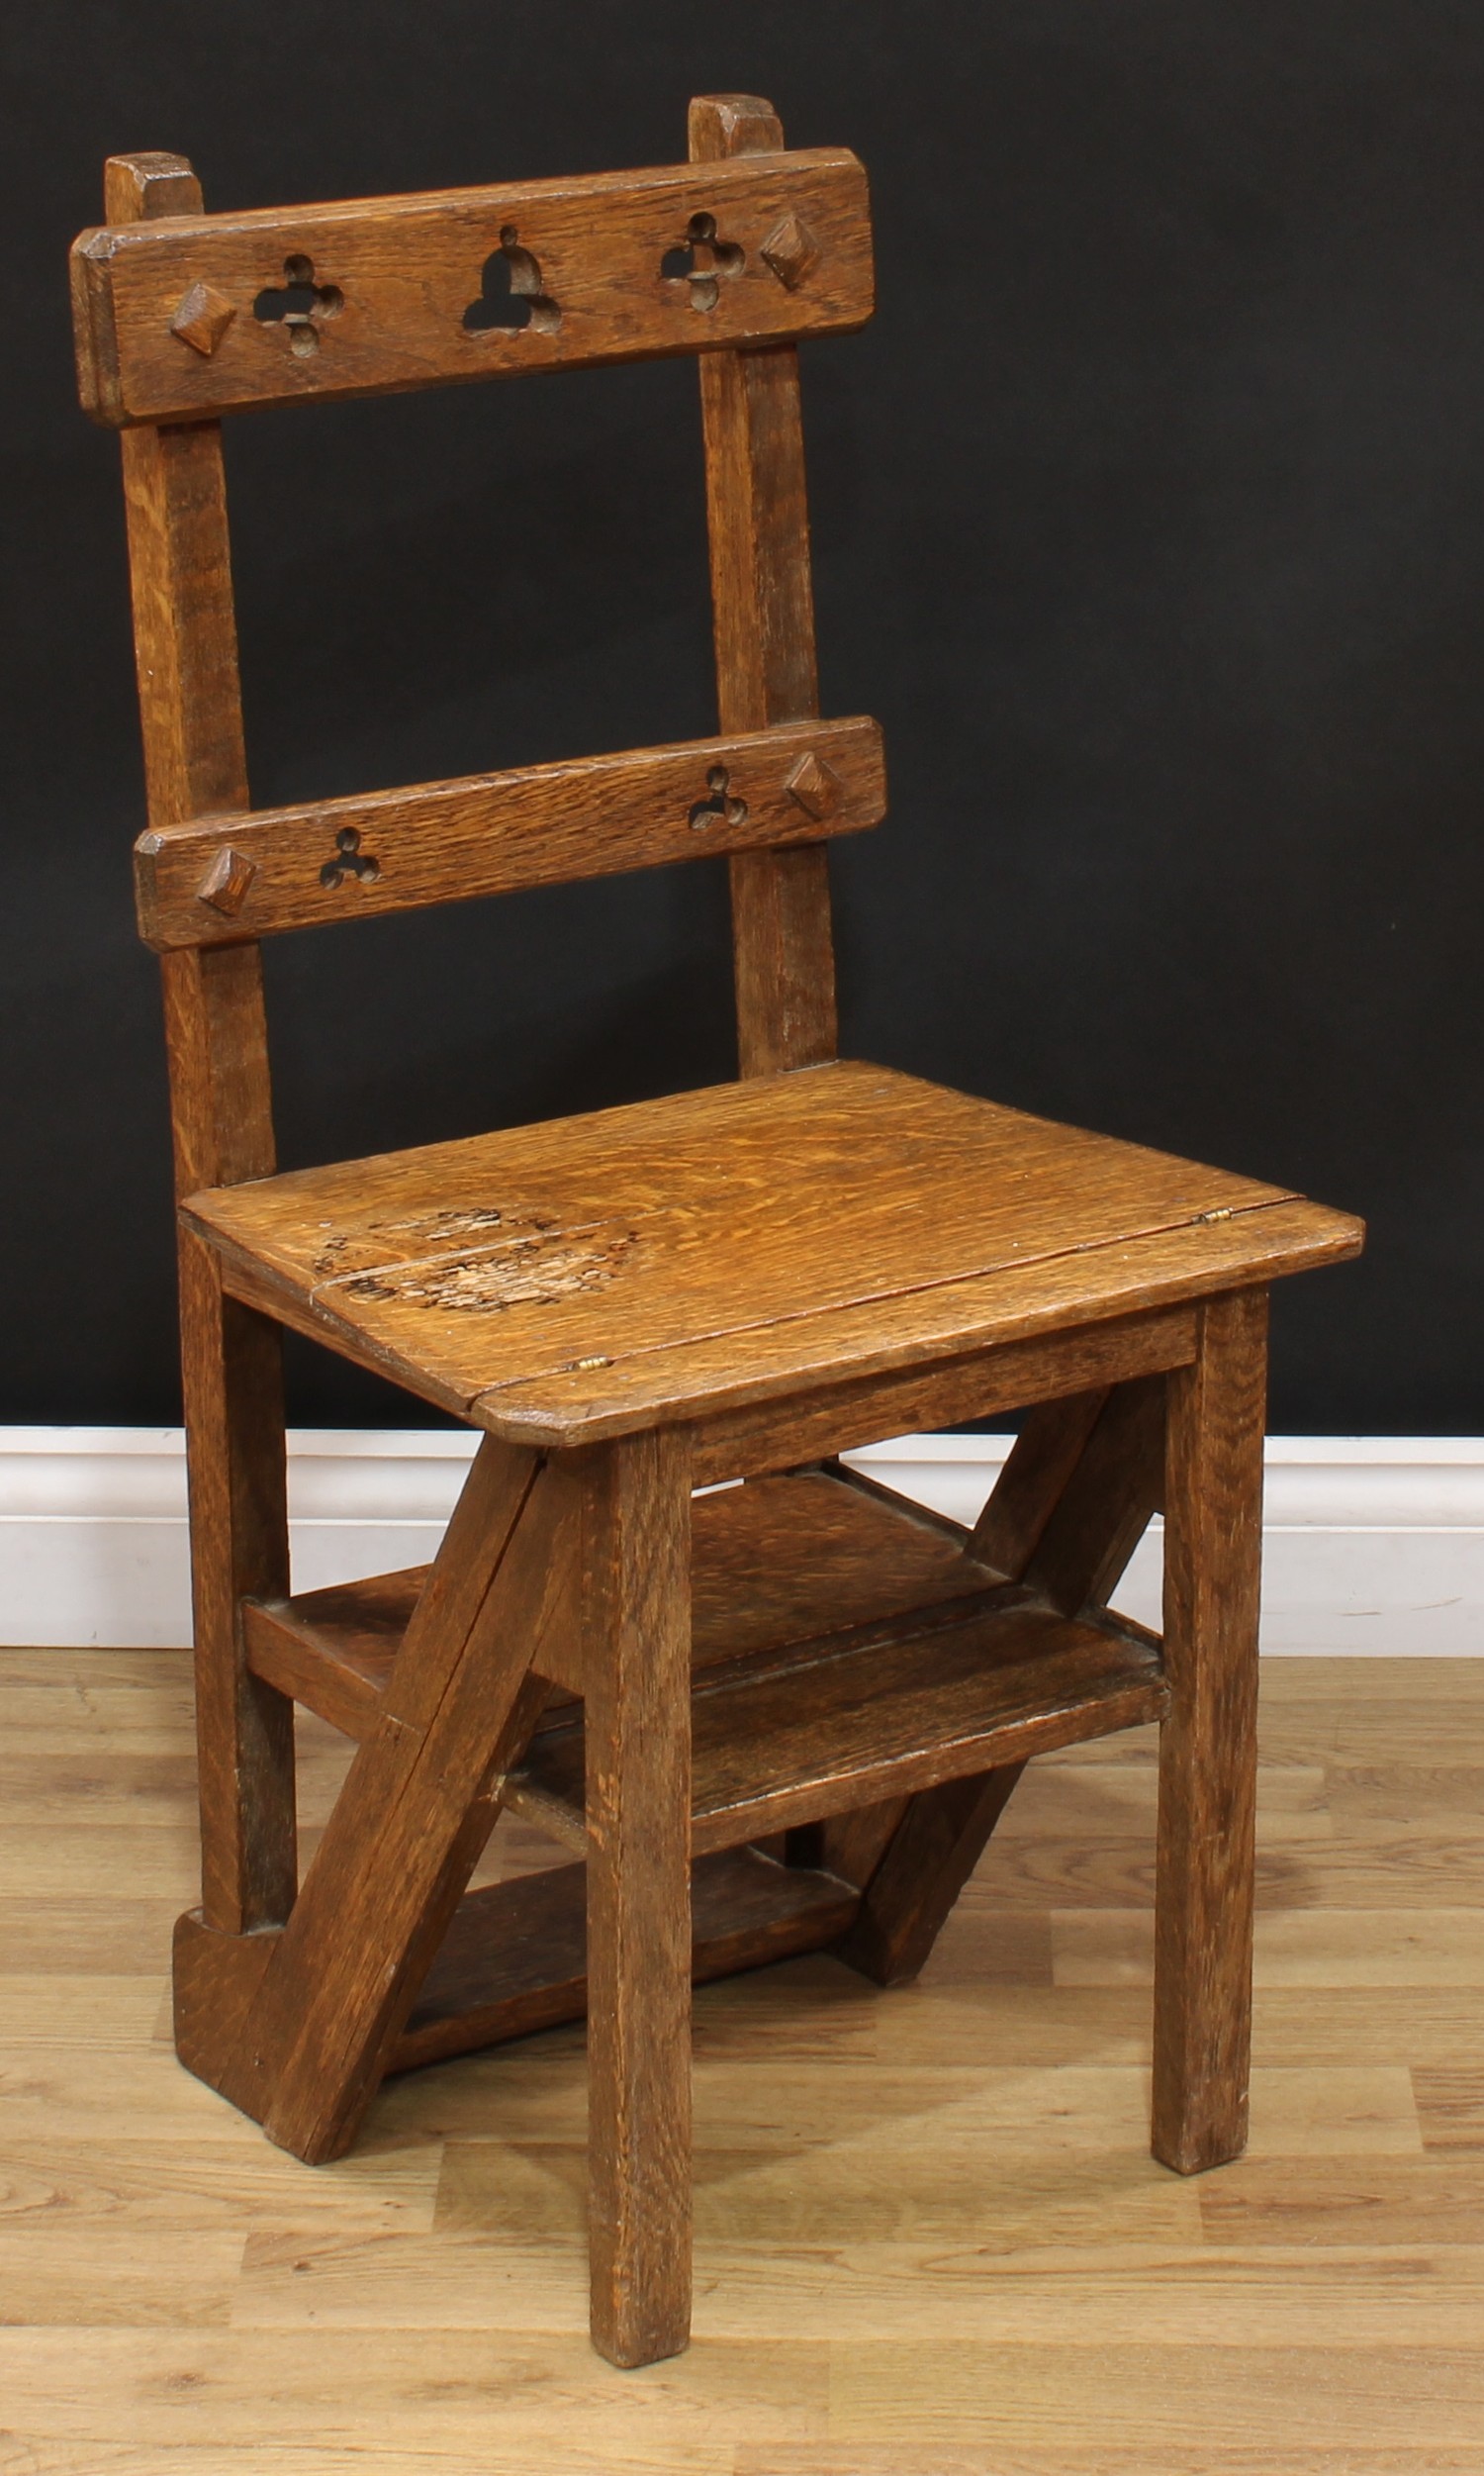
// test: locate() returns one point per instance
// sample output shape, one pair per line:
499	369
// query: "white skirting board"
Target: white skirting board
1372	1544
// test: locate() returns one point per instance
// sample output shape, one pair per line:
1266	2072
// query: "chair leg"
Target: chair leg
1203	1931
637	1666
233	1370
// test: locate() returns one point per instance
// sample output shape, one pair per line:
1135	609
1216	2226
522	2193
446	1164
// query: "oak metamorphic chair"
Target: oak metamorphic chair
776	1717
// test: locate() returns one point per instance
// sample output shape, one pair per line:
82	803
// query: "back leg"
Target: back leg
239	1548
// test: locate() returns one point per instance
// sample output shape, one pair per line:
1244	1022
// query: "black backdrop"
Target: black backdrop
1149	519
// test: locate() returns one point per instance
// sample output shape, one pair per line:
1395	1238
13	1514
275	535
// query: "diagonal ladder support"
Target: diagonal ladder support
1070	1507
297	2027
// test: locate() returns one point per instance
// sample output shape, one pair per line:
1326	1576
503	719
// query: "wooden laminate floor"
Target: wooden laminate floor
930	2238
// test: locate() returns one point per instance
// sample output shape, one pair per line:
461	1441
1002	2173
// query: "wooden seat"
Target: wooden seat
782	1715
563	1283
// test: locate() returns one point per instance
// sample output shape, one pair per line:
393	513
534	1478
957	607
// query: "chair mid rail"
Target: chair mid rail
189	316
218	880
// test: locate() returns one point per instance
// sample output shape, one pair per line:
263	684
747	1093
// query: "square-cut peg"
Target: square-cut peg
815	786
792	251
227	881
202	317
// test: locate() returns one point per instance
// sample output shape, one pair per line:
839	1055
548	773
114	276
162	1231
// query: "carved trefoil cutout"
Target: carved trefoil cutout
718	808
792	251
227	881
202	318
349	860
301	305
815	786
512	292
700	260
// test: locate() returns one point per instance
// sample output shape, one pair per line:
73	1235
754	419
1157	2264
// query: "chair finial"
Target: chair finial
138	187
727	125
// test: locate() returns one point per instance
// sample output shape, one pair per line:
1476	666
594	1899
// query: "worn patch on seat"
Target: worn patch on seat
473	1260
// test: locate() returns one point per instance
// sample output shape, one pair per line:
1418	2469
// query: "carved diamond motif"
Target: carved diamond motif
227	881
202	317
815	786
792	251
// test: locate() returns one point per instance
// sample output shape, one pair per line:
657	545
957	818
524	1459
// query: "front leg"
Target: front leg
636	1658
1207	1755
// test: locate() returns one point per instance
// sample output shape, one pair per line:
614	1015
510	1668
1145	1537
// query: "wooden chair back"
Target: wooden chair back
182	316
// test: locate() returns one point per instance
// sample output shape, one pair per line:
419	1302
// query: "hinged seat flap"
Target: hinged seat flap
191	314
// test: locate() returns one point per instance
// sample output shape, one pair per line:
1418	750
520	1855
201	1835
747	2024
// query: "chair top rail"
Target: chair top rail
189	316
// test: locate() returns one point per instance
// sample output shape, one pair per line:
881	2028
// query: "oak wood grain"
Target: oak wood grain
330	861
408	1828
408	268
928	1859
514	1959
1105	1506
190	708
593	1274
762	603
957	1383
1031	1484
829	1724
822	1355
238	1478
914	1859
1070	1504
1213	1545
637	1619
334	1657
786	1560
